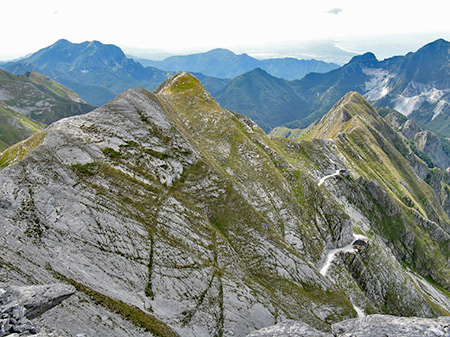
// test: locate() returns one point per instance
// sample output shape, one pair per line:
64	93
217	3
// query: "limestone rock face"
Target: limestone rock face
410	129
430	144
170	207
426	141
38	299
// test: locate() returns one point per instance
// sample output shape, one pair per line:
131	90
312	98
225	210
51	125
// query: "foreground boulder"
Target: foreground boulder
386	325
370	326
20	304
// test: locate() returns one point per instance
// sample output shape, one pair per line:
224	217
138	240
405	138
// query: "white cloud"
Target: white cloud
334	11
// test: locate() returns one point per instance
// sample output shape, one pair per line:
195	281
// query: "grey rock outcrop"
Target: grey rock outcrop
426	141
20	304
370	326
38	299
385	325
430	144
44	333
410	129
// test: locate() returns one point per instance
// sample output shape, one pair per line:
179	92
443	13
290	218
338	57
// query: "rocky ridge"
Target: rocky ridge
174	217
430	148
39	98
28	102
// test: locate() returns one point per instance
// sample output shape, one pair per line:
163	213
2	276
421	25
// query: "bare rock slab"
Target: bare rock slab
40	298
390	326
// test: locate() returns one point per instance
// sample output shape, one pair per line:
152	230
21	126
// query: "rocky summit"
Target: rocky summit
172	216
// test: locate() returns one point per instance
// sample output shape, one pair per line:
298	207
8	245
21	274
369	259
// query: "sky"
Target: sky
264	28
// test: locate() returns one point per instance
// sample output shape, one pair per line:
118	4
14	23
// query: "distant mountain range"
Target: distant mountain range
417	85
31	101
223	63
97	72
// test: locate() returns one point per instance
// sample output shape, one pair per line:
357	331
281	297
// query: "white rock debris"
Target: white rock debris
416	94
378	85
322	180
359	311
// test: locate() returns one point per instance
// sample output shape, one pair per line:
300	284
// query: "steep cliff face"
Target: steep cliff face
172	216
426	143
430	148
20	304
402	212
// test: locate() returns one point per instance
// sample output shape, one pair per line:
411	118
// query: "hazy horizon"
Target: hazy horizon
382	46
292	28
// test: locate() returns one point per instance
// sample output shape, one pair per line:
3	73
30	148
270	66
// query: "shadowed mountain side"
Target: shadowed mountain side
268	100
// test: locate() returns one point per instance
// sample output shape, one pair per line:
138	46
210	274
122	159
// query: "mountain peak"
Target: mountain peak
353	96
221	51
435	46
179	82
96	43
366	59
185	86
259	72
66	52
62	42
438	42
354	104
352	107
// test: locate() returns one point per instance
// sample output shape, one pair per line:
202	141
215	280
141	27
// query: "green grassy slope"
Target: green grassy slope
15	127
